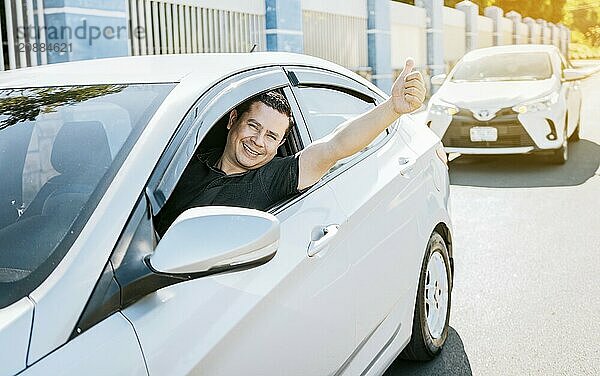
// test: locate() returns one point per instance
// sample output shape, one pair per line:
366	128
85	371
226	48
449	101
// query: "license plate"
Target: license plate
482	134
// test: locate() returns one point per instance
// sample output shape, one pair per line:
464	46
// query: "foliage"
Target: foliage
33	102
583	18
549	10
481	3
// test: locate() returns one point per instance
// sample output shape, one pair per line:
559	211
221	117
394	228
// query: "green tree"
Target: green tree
583	18
549	10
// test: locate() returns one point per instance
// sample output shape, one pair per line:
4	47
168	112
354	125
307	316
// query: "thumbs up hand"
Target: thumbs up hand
408	91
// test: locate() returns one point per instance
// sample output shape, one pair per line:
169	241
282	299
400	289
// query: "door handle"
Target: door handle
406	165
320	238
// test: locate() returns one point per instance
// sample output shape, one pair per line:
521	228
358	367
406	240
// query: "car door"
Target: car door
289	316
376	190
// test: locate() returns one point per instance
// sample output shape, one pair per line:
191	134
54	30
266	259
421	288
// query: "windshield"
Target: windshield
59	149
504	67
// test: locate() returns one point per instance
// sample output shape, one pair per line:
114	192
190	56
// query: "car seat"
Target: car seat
81	156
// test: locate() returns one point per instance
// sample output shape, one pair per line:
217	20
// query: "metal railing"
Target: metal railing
20	23
338	38
173	27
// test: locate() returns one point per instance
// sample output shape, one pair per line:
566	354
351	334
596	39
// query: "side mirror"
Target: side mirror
438	79
570	74
212	239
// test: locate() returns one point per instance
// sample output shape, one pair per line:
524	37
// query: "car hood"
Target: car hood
476	95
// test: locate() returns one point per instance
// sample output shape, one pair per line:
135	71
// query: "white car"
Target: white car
327	282
508	100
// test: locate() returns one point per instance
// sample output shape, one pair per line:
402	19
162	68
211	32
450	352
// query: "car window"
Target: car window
213	143
201	118
324	109
59	148
513	66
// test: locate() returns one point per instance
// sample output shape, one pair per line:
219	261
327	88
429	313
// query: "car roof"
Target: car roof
153	69
512	48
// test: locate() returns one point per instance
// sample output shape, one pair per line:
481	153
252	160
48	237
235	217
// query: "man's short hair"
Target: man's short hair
274	99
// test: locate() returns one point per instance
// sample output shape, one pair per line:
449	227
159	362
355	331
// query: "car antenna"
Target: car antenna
253	47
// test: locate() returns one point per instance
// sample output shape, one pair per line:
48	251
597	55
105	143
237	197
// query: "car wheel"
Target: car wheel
560	155
432	306
575	136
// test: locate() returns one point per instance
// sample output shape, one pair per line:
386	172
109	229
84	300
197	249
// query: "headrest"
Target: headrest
80	146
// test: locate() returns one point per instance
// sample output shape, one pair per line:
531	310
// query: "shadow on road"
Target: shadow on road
521	171
451	361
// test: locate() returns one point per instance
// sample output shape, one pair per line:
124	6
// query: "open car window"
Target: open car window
212	142
206	113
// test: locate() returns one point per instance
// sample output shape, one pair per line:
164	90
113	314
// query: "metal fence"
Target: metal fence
338	38
191	26
172	27
19	25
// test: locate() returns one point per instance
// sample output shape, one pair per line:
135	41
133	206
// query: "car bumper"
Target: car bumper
491	151
517	133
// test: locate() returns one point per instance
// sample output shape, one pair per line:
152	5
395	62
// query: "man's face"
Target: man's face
254	136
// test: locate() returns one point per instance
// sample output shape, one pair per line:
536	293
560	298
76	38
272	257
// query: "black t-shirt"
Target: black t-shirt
202	184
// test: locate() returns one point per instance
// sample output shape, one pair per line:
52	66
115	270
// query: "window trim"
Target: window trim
192	129
196	117
310	76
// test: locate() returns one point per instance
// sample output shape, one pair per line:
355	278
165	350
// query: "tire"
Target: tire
560	155
575	136
429	335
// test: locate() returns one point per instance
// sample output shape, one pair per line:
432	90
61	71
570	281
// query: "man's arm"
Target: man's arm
408	94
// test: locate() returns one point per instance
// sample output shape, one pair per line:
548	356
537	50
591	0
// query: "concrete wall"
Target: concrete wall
454	36
535	30
82	15
408	35
505	31
346	37
555	35
345	28
523	32
242	6
362	35
353	8
546	32
485	32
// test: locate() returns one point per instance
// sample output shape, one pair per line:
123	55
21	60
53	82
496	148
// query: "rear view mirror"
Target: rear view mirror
571	74
438	79
216	238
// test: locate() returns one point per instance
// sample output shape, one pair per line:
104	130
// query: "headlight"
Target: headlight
443	108
539	104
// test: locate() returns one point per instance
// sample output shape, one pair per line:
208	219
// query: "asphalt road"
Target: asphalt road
526	297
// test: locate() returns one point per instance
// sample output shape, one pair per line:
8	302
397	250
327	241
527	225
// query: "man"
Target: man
247	173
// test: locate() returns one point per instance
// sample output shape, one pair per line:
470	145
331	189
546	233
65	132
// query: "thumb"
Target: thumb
408	67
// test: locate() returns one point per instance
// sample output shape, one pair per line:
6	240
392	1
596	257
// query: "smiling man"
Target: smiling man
247	172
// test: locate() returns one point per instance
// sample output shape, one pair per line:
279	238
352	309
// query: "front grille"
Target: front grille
510	131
